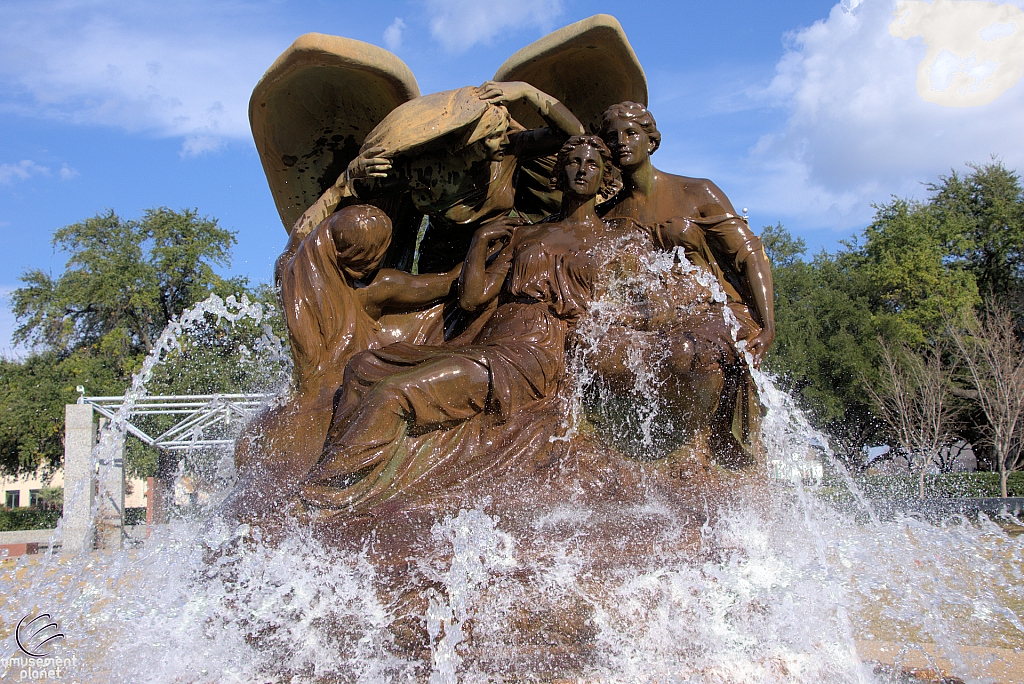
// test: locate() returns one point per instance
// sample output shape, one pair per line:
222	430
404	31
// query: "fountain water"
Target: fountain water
776	586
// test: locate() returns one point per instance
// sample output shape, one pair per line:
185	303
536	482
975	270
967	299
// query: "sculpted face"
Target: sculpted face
494	144
583	171
628	142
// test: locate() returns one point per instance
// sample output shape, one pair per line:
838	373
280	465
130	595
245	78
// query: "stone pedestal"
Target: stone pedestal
110	490
79	480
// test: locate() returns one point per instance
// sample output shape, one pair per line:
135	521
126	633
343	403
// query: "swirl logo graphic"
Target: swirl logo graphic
37	635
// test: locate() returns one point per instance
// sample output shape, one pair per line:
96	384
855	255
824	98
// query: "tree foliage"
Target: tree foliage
822	323
123	282
982	220
914	266
94	324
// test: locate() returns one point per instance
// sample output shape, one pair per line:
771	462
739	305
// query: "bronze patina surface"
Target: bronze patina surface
434	289
452	286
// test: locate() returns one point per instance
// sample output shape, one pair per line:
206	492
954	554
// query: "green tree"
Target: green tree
981	215
123	282
30	427
94	324
895	283
823	321
910	283
783	250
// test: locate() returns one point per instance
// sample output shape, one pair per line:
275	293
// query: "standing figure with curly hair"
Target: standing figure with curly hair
412	419
695	215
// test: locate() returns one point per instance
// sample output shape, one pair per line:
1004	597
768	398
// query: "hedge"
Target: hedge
27	519
135	516
944	486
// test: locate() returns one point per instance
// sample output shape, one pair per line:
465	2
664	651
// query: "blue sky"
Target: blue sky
803	112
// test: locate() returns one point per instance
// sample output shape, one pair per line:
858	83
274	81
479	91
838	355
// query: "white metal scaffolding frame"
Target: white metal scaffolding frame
200	415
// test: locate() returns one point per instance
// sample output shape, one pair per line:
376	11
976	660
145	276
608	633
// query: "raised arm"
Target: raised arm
368	164
393	289
481	282
561	122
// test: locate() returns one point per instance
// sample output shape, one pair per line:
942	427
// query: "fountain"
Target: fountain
598	508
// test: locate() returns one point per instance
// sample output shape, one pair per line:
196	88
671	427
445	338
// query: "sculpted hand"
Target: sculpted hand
499	230
369	164
497	92
481	276
759	343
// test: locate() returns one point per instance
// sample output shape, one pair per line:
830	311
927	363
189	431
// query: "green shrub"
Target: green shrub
27	519
135	516
944	486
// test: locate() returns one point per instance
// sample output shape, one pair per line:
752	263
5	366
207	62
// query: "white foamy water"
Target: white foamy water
790	591
783	588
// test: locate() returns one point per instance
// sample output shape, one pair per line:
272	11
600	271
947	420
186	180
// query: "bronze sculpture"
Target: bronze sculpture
456	154
532	284
692	213
705	372
470	313
409	386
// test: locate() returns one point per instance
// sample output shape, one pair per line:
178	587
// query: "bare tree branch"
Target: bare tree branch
915	399
994	358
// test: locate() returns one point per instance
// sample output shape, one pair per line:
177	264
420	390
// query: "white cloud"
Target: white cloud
858	129
393	35
975	52
23	170
67	173
196	145
175	69
460	24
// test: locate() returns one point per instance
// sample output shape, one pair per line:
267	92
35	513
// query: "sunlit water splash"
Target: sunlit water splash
268	351
784	590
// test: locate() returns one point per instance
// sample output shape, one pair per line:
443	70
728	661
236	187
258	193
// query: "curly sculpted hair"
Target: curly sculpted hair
609	176
632	111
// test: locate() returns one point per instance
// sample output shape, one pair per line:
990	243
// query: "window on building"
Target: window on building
13	498
36	500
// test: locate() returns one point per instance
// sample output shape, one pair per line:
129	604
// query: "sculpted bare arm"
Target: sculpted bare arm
731	237
709	198
735	238
536	143
393	289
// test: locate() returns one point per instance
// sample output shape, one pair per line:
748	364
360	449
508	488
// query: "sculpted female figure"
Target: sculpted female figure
412	418
456	153
693	213
336	297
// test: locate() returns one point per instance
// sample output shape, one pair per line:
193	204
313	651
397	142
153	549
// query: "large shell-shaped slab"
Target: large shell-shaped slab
314	107
588	65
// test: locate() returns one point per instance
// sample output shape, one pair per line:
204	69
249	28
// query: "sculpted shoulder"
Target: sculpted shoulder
700	195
